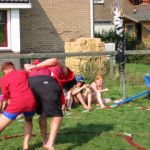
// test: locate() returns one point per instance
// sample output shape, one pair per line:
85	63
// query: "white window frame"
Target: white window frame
99	1
15	5
13	31
8	47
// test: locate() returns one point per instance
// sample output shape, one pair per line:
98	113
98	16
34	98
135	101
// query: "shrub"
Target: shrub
131	44
90	69
111	36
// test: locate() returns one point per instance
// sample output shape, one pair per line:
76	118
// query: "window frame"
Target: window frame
99	1
7	26
6	34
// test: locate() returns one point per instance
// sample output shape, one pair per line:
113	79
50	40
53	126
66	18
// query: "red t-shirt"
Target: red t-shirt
39	71
16	88
57	71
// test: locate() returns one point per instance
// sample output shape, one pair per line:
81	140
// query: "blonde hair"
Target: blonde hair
98	77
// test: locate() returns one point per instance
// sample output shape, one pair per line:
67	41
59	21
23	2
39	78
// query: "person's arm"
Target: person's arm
52	62
46	63
93	86
104	90
77	90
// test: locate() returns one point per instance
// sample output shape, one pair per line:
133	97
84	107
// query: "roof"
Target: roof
141	14
104	12
14	1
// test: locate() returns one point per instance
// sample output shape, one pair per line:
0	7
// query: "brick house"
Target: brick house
137	23
102	15
43	25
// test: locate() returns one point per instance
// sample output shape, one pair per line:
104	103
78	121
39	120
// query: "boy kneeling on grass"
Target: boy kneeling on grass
15	88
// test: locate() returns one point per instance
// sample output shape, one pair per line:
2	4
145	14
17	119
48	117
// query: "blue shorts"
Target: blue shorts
13	116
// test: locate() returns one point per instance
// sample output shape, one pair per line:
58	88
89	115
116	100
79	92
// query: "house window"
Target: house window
99	1
130	28
3	28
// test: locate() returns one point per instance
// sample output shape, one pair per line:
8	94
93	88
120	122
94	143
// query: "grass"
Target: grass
1	74
98	129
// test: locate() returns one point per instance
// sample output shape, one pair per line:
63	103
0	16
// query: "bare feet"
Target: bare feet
88	107
48	148
98	105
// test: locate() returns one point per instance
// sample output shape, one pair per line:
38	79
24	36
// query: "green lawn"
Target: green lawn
98	129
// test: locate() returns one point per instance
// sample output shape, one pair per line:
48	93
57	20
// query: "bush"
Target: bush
111	37
139	59
107	36
131	44
90	69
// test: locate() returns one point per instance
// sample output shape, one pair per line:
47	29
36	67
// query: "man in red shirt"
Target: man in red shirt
15	88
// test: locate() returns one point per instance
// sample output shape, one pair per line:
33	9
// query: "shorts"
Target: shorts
13	116
47	93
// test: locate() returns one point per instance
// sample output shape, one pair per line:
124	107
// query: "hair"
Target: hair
98	77
7	65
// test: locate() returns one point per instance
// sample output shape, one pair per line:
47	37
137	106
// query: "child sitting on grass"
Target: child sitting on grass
81	93
97	90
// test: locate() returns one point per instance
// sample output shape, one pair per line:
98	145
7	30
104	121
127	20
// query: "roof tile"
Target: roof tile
142	12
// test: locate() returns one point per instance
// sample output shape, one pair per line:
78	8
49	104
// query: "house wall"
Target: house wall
102	12
146	34
103	16
49	23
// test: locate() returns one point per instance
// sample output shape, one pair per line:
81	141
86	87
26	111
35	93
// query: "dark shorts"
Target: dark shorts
48	95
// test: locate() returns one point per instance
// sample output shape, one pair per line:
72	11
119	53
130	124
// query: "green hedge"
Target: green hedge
131	44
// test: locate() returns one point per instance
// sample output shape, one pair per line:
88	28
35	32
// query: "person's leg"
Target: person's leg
107	100
43	128
69	100
4	122
54	127
99	99
81	99
1	106
27	132
88	97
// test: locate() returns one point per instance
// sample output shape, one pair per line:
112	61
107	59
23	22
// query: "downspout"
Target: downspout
92	17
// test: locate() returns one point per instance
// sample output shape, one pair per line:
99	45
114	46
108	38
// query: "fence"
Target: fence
88	68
